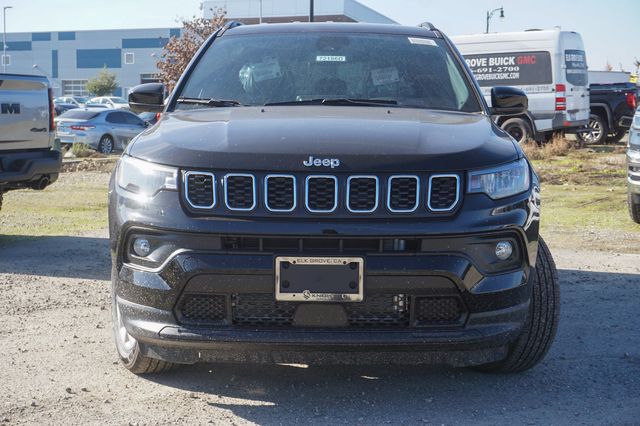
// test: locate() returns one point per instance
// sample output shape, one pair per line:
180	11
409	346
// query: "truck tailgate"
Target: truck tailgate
24	112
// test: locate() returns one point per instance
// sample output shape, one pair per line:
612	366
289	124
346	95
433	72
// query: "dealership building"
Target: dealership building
70	58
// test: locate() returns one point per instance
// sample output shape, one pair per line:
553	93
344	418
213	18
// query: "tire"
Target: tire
129	349
105	146
617	136
541	325
598	131
634	209
518	128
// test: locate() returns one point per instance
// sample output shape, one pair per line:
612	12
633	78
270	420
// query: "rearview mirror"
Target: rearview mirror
147	97
508	101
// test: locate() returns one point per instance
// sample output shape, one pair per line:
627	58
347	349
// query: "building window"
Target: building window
129	58
6	60
74	88
149	78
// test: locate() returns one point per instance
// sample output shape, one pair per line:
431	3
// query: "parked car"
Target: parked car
113	102
150	117
79	101
26	133
612	109
633	168
550	66
101	129
61	107
305	199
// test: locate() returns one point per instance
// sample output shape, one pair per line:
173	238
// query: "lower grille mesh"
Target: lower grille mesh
376	311
204	309
437	310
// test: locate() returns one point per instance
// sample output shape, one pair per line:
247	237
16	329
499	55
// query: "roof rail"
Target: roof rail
427	25
229	25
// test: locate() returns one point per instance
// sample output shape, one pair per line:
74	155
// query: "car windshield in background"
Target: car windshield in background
328	69
80	114
118	100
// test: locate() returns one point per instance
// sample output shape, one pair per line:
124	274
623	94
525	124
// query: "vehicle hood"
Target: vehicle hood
280	138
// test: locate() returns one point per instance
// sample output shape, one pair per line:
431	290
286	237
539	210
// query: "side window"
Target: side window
133	119
116	118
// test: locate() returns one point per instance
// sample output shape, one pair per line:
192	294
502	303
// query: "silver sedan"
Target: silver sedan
101	129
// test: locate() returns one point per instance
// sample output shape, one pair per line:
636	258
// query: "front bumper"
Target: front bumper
492	303
20	169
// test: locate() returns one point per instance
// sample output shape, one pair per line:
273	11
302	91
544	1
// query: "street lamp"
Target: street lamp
490	15
4	38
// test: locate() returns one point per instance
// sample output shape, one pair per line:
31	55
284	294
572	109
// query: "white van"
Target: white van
549	65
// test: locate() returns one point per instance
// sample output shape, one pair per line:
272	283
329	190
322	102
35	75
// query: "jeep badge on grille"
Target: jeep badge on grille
325	162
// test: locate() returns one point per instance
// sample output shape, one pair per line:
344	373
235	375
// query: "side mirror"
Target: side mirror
508	101
147	97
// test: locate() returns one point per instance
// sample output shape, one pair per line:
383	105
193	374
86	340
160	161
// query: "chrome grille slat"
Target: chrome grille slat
280	193
199	189
240	191
403	193
321	193
443	192
362	193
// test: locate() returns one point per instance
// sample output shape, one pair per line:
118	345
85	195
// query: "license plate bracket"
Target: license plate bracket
319	279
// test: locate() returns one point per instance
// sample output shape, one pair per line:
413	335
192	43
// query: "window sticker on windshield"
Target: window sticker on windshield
326	58
382	76
422	41
265	70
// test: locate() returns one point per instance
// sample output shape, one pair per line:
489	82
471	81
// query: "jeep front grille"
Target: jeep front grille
379	196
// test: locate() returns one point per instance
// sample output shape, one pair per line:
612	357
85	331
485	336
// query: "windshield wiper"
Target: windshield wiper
338	101
209	102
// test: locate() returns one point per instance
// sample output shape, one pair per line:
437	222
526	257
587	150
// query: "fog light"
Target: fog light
504	250
141	247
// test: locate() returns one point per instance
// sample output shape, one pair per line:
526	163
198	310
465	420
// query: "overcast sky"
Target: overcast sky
609	28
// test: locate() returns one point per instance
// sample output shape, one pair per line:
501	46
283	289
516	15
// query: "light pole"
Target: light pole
4	38
490	15
311	11
260	11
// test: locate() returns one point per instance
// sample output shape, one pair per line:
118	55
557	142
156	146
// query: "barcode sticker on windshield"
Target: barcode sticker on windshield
422	41
382	76
326	58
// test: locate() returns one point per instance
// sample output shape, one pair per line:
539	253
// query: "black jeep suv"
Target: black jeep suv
328	193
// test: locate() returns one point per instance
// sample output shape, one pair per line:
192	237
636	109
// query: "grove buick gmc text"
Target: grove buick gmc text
328	193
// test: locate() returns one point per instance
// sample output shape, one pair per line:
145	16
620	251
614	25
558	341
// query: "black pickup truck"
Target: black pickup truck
612	109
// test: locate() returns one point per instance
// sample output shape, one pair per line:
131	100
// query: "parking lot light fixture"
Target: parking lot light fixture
490	15
4	37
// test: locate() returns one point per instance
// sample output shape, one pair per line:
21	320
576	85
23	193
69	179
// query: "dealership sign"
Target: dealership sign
518	68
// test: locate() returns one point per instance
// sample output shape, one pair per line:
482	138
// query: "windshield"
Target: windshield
118	100
281	68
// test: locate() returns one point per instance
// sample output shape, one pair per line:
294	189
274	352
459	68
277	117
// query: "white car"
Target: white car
633	168
113	102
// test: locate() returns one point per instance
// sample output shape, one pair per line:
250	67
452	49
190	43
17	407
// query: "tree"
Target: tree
102	84
179	50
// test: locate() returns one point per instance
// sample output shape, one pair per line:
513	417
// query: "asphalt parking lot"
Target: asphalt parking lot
60	364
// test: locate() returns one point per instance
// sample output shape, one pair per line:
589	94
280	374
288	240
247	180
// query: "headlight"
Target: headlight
503	181
145	179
